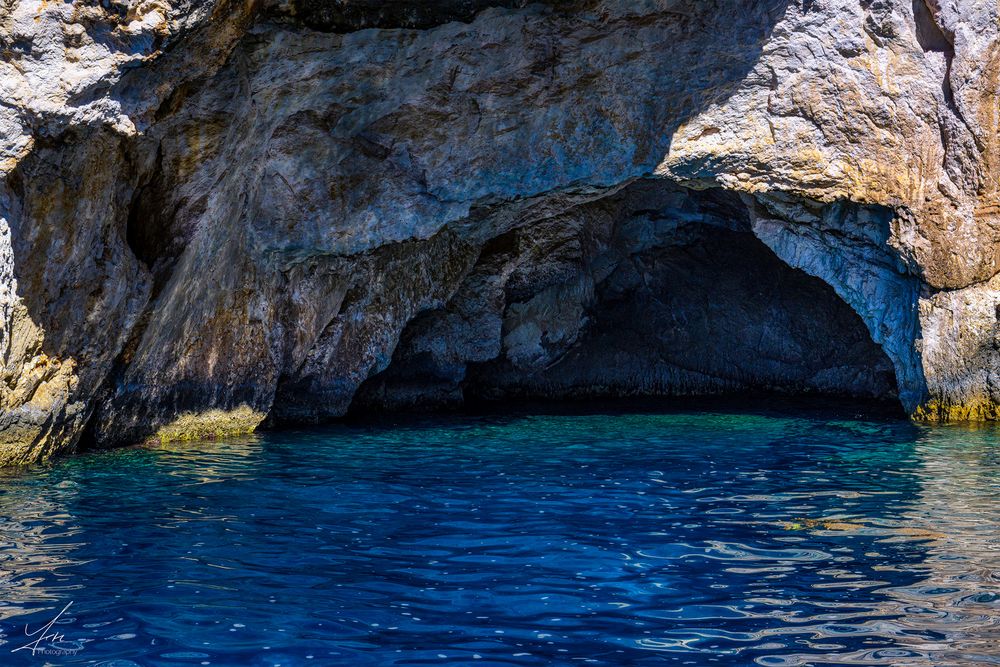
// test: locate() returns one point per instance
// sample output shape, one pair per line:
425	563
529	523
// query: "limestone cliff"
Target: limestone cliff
216	212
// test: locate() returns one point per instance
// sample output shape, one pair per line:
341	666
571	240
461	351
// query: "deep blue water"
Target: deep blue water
700	539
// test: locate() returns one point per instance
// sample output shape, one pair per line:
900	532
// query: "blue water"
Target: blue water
699	539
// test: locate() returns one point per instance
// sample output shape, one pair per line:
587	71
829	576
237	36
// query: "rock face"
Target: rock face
219	212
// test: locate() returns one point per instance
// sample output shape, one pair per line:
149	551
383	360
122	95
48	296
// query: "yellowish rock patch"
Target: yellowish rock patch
210	424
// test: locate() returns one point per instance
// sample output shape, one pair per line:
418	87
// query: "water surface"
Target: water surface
692	538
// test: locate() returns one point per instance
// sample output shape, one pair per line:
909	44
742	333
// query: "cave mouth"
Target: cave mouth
657	291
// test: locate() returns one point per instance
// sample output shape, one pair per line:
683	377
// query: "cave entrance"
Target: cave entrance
655	291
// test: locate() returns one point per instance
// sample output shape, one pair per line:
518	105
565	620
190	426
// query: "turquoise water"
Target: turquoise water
699	539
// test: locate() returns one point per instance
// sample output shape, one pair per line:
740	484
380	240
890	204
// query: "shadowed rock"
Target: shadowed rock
350	15
216	212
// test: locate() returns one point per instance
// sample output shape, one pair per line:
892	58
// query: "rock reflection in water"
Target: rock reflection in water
952	615
680	538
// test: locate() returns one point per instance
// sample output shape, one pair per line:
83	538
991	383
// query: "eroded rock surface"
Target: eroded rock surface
654	291
216	212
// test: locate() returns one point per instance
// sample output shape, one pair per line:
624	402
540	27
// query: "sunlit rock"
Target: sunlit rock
281	209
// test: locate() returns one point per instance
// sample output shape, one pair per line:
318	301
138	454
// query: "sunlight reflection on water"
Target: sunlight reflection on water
628	538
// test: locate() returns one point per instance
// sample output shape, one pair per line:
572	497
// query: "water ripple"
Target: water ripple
607	539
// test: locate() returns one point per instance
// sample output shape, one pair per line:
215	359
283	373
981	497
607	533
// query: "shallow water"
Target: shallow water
710	538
